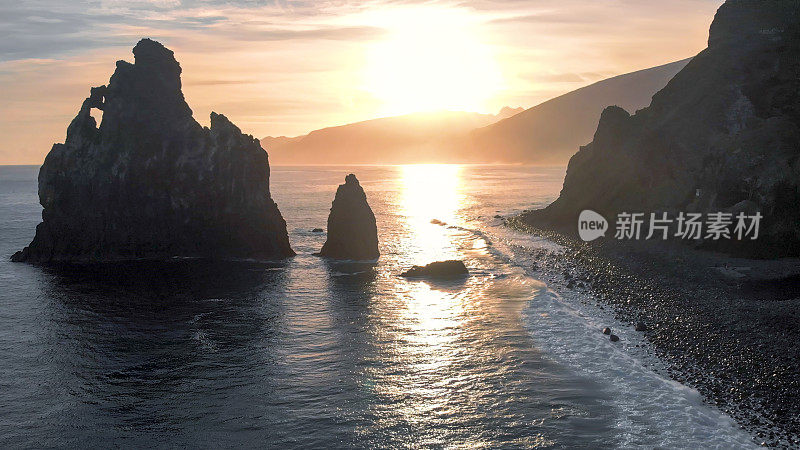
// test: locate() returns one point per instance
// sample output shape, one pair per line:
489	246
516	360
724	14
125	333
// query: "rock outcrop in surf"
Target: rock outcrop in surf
438	270
151	182
723	135
352	231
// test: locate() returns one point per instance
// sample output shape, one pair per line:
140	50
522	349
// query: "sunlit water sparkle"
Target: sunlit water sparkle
314	353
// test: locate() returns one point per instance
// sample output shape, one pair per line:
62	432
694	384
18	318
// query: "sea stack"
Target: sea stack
352	232
152	183
722	136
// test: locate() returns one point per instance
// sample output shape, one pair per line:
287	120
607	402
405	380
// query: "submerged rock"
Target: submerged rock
613	338
352	231
438	269
151	182
640	326
722	136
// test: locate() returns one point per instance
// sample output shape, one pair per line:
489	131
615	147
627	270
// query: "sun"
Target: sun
432	60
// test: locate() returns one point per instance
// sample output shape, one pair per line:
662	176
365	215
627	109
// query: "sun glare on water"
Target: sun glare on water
432	60
431	192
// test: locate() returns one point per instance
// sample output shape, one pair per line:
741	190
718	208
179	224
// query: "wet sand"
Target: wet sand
728	327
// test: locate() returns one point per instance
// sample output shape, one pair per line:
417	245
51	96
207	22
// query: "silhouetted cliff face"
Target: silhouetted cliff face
150	182
352	232
727	125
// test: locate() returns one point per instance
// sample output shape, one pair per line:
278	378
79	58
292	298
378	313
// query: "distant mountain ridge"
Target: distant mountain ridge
549	133
385	140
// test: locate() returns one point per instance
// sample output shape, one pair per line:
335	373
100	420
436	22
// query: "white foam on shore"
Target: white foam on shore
649	410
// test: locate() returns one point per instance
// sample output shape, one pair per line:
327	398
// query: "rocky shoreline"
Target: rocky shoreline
728	327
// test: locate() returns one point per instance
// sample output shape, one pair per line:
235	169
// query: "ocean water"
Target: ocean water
313	353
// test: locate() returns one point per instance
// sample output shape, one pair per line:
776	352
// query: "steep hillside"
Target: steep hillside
552	131
723	135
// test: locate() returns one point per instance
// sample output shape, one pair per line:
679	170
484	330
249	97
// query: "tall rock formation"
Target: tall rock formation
723	135
352	232
151	182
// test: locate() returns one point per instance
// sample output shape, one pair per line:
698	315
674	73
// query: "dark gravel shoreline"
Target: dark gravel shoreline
728	327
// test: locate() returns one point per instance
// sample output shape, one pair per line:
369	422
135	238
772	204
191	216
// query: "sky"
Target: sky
289	67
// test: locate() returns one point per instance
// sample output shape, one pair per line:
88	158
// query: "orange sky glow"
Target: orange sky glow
286	68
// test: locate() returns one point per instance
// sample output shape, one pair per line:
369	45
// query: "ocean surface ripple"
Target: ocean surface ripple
314	353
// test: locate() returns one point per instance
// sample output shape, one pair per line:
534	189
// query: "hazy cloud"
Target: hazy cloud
286	67
54	28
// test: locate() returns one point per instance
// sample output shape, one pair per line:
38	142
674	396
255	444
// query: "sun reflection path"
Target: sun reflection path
449	349
431	192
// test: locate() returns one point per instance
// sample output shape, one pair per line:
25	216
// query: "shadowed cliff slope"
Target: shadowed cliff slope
726	127
150	182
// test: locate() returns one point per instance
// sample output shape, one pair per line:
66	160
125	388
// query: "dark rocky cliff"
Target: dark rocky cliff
151	182
727	127
352	231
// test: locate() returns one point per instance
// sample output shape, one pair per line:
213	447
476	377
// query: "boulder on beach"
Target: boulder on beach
150	182
352	231
438	269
